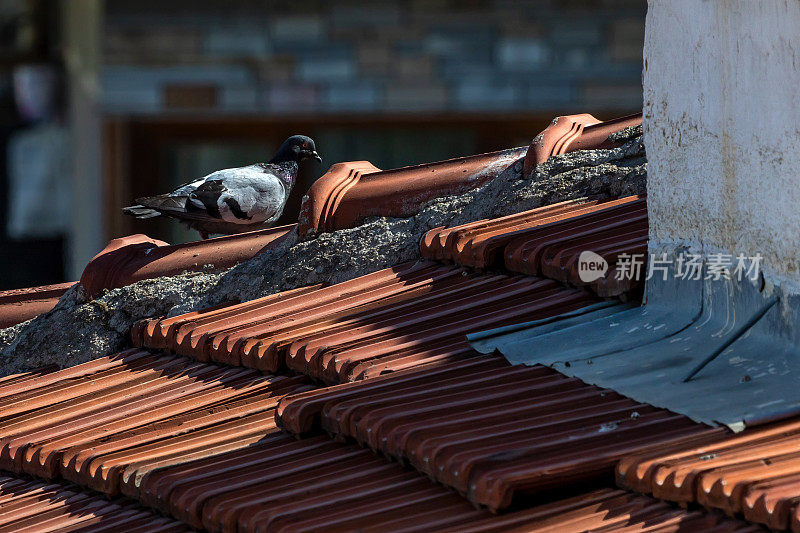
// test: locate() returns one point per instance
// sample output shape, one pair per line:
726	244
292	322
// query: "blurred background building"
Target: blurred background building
102	101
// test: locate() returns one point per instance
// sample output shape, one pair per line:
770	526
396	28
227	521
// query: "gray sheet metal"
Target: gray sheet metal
486	341
671	306
748	338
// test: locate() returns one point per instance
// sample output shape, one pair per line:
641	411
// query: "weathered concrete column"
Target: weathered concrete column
722	128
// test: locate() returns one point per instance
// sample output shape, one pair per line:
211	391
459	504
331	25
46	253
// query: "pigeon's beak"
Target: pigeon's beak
311	154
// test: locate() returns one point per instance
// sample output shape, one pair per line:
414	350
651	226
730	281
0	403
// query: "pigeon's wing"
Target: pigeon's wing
244	196
248	195
238	196
204	200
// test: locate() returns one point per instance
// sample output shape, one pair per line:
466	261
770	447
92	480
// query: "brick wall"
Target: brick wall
382	56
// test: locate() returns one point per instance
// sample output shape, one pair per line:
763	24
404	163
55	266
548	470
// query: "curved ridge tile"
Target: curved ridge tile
19	305
350	192
569	133
325	194
137	257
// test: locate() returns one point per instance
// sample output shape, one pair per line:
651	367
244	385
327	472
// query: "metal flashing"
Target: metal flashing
721	351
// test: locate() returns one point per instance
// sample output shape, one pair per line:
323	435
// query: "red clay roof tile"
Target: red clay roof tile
476	244
350	192
106	420
755	474
604	510
548	241
490	430
198	440
574	132
138	257
19	305
411	314
553	250
33	506
224	465
282	484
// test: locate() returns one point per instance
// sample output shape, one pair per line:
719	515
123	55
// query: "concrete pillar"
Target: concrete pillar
722	128
82	32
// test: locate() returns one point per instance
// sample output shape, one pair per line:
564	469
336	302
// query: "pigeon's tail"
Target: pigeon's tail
153	206
140	211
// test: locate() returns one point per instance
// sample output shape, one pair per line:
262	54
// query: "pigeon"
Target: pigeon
233	200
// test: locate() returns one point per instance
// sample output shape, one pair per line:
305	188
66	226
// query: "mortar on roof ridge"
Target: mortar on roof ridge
77	330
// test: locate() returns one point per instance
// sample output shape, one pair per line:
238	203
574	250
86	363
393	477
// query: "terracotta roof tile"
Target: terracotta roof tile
27	377
575	132
489	430
19	305
604	510
480	243
282	484
33	506
554	250
107	420
199	442
350	192
138	257
755	474
549	240
410	314
205	449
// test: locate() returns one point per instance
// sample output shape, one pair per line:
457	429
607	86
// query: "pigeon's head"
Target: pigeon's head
296	148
